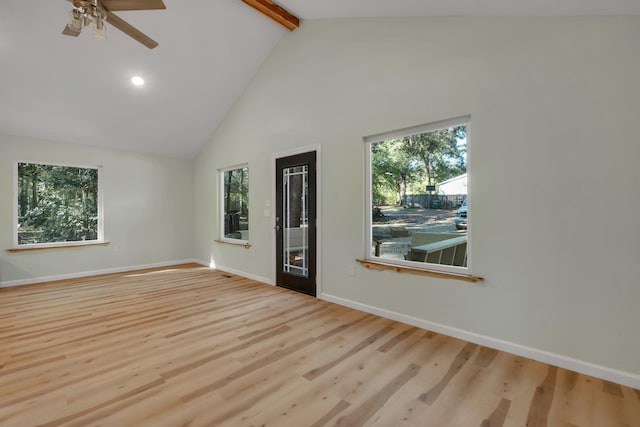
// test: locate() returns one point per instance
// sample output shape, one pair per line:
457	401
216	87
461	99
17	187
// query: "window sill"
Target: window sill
378	265
246	245
62	245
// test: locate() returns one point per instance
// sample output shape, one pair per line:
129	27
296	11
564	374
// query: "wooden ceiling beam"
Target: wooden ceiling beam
275	12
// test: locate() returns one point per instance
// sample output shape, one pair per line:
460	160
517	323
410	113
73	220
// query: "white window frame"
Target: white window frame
221	236
380	137
100	238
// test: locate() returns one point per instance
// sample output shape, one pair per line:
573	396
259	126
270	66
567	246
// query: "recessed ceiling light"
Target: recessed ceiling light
137	80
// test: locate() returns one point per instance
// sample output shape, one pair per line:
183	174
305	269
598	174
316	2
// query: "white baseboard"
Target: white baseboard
587	368
34	280
243	274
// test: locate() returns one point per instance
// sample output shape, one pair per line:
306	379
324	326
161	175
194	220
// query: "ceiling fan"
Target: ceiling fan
95	13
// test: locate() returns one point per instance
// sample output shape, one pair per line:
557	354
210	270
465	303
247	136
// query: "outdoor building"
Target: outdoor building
454	186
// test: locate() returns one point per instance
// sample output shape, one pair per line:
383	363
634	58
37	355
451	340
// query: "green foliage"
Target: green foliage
57	203
440	151
236	191
236	201
392	171
407	165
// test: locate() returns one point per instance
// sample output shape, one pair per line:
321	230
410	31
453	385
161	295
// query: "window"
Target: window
57	204
234	190
417	196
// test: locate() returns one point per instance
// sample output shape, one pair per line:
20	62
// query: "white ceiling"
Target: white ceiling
316	9
78	90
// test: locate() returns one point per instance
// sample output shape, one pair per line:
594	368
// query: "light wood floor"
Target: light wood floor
191	346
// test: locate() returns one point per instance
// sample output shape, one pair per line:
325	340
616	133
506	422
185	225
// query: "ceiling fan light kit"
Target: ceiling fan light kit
95	13
88	13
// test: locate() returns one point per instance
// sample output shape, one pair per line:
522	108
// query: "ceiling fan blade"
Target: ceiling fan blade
68	31
130	30
116	5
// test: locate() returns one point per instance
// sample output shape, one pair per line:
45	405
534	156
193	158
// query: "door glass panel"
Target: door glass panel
295	242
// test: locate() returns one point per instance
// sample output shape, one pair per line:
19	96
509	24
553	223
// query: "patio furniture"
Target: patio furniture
438	248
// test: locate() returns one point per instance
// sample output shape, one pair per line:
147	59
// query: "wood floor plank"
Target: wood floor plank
292	404
485	356
632	412
363	412
233	412
457	364
315	372
238	373
397	339
187	345
358	381
612	388
334	412
542	400
497	417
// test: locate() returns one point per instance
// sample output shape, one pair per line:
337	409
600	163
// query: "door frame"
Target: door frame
272	207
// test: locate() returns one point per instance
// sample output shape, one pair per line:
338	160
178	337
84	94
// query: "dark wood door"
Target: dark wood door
296	222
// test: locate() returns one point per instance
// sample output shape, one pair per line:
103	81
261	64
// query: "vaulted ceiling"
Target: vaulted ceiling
79	90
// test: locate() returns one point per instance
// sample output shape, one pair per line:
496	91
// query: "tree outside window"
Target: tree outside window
418	196
235	203
57	204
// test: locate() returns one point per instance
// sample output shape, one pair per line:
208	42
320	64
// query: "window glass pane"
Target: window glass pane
57	204
295	188
236	203
418	197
